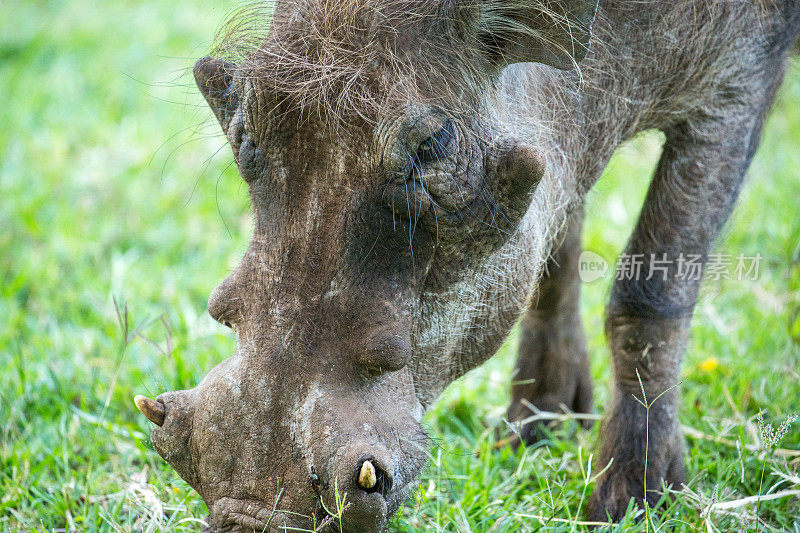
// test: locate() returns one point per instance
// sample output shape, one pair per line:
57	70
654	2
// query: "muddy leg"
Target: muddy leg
552	363
653	298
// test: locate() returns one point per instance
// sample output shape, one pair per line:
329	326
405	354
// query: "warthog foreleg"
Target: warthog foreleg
691	195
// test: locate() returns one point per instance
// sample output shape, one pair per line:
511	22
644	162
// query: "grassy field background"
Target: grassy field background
120	211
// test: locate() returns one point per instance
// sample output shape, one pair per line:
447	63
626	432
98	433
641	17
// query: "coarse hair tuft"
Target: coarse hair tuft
365	57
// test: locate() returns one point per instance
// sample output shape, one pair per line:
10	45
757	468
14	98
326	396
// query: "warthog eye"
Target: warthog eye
434	147
248	156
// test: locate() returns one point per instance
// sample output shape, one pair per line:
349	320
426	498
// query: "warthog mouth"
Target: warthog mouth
232	515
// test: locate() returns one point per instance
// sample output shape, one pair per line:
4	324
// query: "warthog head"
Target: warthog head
380	175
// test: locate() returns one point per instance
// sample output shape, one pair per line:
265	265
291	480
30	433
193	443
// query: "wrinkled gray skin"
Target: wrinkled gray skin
369	286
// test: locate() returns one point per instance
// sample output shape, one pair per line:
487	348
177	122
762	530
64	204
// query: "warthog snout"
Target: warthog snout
269	443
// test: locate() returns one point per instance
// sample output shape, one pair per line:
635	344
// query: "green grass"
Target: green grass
119	212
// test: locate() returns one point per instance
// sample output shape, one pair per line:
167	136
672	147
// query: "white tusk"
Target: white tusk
153	410
367	478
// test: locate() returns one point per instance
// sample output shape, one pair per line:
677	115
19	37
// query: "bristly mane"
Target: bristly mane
337	58
369	57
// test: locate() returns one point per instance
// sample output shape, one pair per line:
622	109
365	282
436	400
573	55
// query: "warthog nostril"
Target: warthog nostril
372	478
153	410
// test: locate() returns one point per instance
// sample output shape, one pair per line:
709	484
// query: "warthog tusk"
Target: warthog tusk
367	478
153	410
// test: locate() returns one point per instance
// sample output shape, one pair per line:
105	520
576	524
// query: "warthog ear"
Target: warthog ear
214	77
553	32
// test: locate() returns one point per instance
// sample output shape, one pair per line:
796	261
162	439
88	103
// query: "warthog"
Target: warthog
417	170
